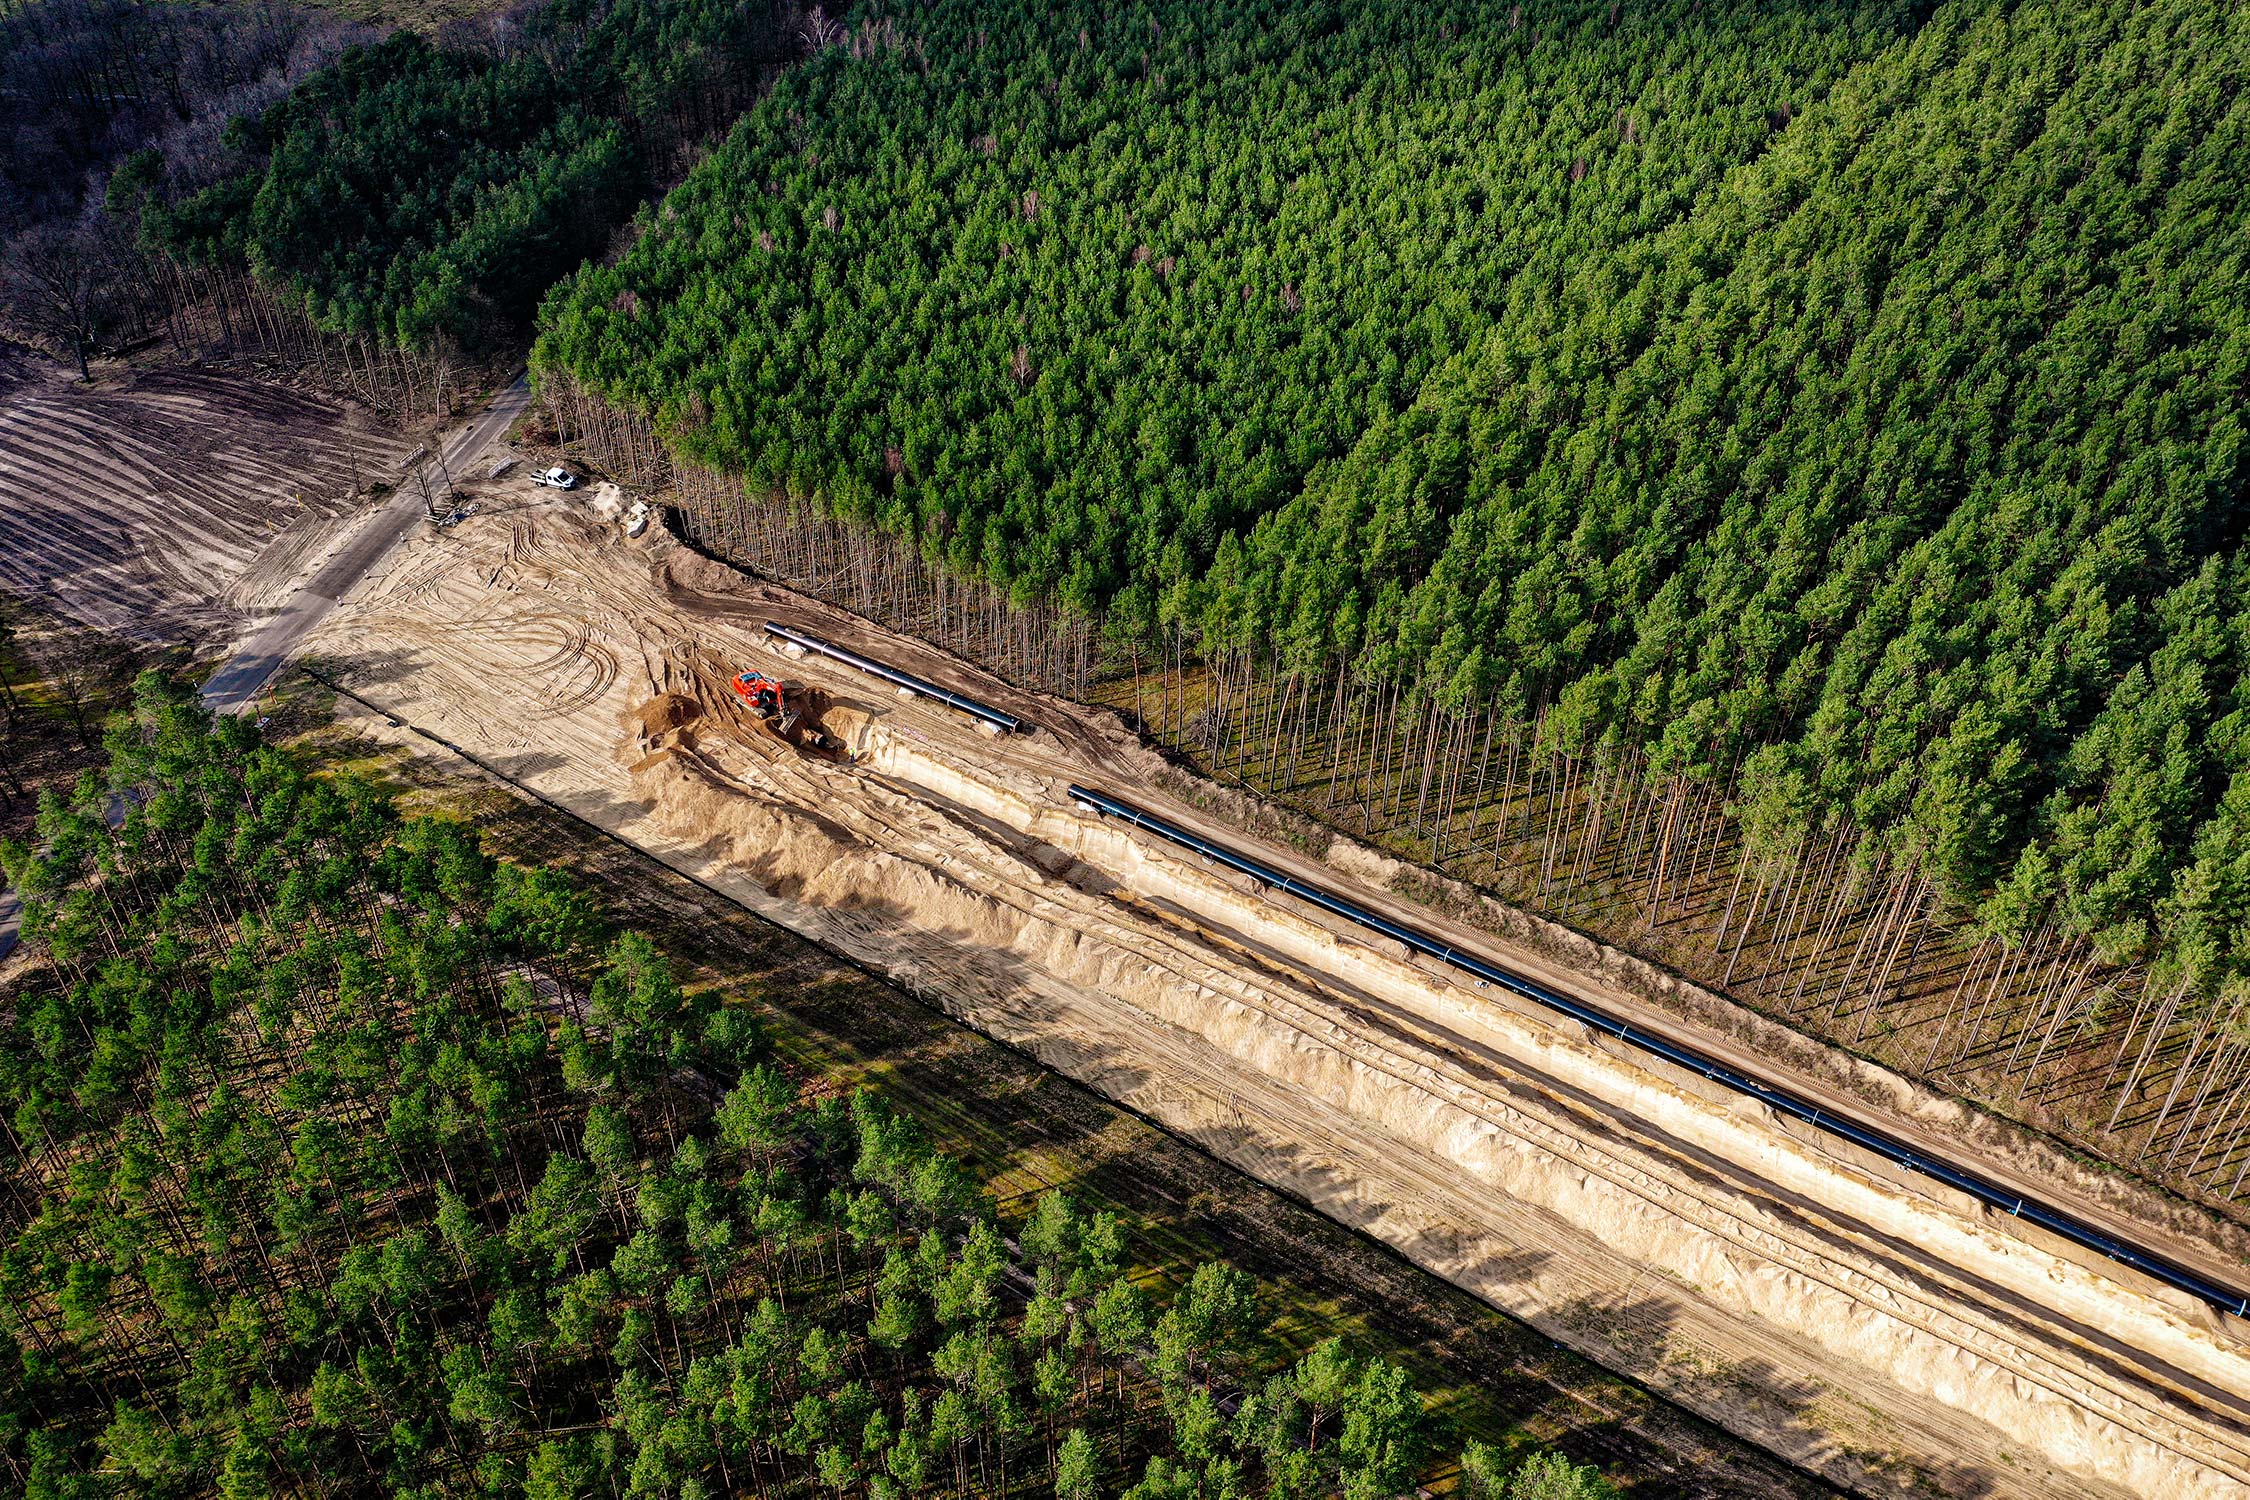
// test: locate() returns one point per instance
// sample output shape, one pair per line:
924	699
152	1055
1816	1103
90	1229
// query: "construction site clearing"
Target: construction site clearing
1862	1321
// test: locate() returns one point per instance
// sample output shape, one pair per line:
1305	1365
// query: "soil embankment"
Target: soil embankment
1867	1325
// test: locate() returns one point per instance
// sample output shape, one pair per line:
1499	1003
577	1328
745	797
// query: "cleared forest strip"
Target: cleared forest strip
1880	950
1288	1064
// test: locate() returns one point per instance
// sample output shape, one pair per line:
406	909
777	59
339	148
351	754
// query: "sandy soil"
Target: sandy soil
169	504
1883	1332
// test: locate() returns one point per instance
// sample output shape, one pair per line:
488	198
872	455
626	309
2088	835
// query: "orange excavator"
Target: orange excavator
782	707
768	698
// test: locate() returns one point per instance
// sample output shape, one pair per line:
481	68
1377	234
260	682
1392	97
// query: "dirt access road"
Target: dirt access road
257	657
1869	1326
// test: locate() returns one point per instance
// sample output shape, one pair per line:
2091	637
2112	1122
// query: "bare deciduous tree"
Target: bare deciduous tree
56	285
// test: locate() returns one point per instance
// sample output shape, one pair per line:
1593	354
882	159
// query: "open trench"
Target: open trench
1875	1328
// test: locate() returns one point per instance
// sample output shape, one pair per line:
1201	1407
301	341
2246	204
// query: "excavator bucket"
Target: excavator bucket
761	692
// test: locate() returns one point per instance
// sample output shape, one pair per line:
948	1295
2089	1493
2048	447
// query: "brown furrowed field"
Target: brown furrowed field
168	505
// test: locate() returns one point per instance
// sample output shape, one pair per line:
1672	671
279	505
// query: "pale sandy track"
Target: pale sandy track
1871	1327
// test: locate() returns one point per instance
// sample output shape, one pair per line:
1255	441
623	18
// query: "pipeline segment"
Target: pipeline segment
1486	972
1005	723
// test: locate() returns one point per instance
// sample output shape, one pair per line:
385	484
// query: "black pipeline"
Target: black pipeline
1005	723
1780	1100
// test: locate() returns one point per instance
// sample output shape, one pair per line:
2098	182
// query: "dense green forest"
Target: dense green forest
1840	406
346	1160
1916	455
1077	293
422	192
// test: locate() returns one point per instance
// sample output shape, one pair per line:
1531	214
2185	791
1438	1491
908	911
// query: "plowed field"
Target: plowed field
169	505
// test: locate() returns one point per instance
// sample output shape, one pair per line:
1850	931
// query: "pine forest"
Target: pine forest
1761	483
348	1160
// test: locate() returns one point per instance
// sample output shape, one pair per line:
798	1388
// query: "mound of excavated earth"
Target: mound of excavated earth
1863	1322
172	504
